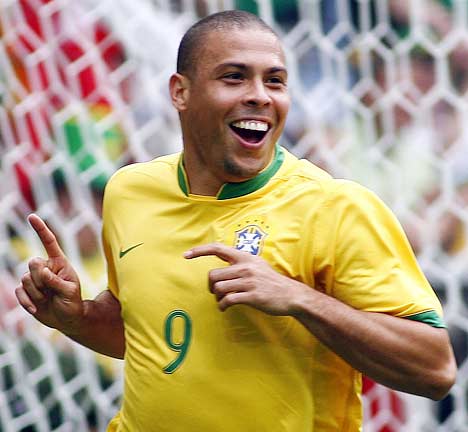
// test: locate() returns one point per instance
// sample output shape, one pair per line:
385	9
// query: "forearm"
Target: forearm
402	354
101	327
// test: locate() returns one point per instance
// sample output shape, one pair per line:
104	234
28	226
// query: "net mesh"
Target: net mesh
379	93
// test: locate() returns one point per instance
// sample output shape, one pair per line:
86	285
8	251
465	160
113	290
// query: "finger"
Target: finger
226	253
224	287
232	299
31	289
46	236
24	300
36	265
221	274
56	283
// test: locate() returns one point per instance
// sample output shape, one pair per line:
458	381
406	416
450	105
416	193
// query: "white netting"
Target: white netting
380	96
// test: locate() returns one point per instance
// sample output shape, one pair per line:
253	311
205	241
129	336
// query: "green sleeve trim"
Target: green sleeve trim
430	317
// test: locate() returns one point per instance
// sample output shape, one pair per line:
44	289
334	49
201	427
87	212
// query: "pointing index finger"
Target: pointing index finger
46	236
226	253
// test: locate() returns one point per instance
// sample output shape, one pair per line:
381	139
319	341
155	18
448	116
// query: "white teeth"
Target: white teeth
252	125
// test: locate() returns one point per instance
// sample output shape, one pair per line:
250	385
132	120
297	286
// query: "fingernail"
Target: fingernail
31	310
188	254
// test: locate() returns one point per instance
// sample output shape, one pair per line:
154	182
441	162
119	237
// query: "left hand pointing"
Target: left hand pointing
250	280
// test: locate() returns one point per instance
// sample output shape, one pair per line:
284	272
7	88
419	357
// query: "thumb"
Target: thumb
55	283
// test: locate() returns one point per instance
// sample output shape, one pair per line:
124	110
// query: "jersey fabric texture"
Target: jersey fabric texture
190	367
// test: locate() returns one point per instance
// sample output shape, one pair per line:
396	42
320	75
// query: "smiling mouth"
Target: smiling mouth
250	131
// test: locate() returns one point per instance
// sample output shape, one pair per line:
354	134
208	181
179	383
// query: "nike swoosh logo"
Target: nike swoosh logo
122	253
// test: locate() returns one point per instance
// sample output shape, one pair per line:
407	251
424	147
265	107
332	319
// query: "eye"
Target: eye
233	77
276	81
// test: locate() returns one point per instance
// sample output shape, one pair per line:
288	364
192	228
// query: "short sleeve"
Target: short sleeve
365	258
106	243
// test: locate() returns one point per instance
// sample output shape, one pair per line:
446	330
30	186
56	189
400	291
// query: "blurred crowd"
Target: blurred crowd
380	93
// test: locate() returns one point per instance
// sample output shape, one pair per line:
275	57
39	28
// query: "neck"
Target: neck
200	180
205	183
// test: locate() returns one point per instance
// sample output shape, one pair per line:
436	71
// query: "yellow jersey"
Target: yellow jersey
190	367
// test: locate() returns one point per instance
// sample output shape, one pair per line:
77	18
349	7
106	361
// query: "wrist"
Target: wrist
300	303
74	325
311	306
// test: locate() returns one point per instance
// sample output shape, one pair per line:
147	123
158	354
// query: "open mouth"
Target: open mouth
251	131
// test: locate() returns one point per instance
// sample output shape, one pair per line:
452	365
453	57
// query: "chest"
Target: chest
148	244
160	291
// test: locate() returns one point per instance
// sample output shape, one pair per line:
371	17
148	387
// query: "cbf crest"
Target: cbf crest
250	238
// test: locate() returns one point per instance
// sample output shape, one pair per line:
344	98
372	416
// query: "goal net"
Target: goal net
379	92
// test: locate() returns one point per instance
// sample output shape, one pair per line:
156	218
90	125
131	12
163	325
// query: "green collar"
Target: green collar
234	190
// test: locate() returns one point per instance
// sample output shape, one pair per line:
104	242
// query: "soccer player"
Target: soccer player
312	280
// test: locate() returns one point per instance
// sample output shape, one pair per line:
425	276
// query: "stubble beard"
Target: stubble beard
233	169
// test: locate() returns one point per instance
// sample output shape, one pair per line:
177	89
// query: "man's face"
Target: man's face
236	105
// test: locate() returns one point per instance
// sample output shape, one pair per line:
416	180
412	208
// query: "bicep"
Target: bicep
110	305
374	267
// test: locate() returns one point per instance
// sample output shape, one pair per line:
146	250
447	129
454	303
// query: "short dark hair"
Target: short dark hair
192	40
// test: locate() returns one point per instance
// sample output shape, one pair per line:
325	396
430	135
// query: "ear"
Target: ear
179	89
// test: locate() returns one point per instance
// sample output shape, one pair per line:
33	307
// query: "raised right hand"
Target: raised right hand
50	290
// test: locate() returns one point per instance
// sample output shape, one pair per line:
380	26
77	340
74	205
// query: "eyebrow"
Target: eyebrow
243	66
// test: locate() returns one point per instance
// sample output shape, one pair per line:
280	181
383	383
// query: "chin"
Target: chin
237	172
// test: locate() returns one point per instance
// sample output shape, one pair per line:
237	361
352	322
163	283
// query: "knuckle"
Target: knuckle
49	277
217	286
217	247
35	263
229	300
244	271
22	297
26	278
250	285
252	266
255	297
248	269
212	276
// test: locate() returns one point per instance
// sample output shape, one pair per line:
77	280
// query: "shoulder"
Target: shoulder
346	203
302	170
350	192
143	173
135	184
302	174
346	198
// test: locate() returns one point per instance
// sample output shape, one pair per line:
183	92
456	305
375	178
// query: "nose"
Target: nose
257	94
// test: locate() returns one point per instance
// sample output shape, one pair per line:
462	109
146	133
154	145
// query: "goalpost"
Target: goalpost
379	92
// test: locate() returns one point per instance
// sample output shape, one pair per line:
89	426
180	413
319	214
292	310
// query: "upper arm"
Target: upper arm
372	265
108	299
111	271
107	238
